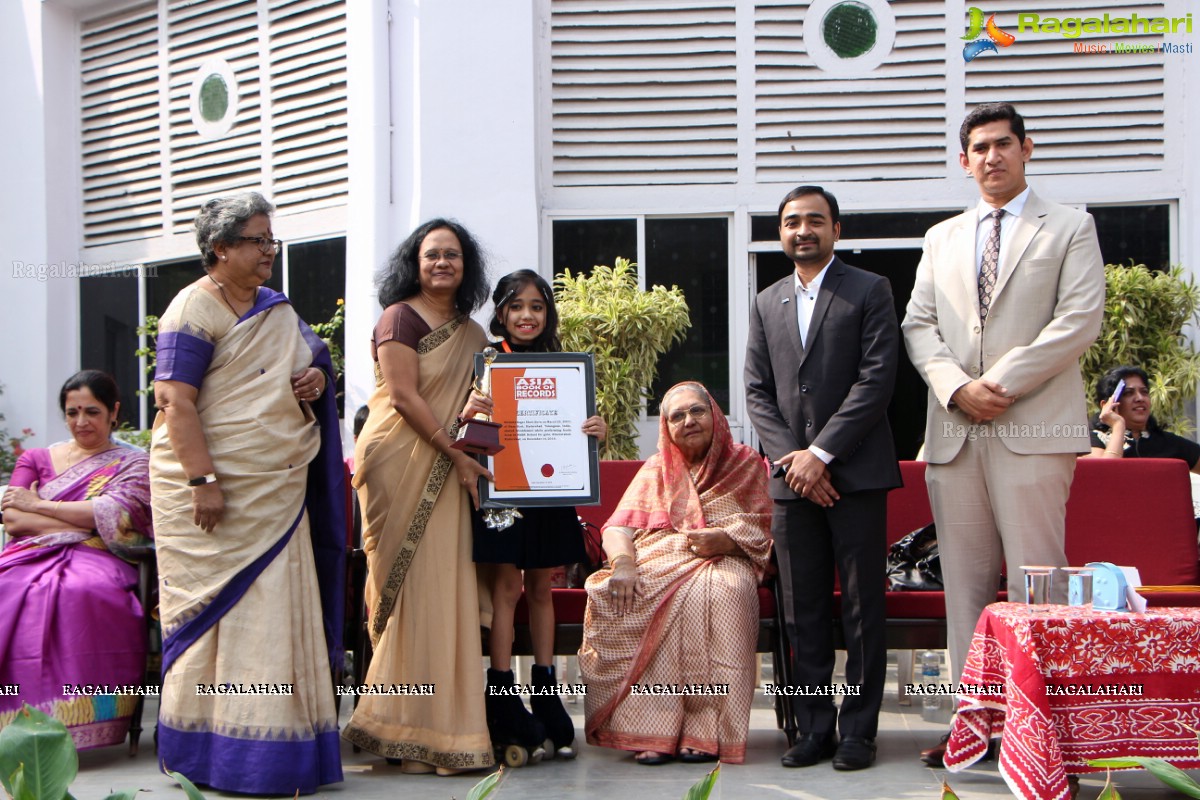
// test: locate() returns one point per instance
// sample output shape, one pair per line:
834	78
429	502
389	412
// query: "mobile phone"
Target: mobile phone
1116	398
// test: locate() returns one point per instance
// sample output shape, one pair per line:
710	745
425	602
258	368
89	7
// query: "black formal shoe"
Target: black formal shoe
934	755
809	749
854	752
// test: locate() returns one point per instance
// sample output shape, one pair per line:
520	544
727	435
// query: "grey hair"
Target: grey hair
679	387
222	219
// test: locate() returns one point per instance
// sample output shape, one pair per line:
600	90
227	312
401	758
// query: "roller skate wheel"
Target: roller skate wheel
515	755
549	749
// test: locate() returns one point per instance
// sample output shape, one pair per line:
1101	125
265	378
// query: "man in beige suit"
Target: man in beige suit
1003	306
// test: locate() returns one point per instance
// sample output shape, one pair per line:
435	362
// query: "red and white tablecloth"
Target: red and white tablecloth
1067	684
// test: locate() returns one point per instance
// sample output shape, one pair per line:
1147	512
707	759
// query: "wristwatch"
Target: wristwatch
202	480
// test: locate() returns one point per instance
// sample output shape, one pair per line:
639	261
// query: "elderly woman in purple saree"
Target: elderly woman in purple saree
69	616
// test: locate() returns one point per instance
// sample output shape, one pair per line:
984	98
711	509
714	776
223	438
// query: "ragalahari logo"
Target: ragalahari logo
976	46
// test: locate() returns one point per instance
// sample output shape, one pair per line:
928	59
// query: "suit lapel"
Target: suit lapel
781	300
829	285
1031	219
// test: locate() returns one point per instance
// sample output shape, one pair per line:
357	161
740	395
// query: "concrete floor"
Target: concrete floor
599	772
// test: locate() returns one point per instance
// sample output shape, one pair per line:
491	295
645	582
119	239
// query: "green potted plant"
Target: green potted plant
1145	313
626	329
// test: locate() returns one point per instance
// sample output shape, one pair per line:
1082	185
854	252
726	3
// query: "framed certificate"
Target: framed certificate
541	401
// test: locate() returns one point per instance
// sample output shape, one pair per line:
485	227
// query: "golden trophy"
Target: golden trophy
479	435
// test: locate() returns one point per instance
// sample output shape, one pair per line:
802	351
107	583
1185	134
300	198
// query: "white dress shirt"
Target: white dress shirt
806	302
1012	210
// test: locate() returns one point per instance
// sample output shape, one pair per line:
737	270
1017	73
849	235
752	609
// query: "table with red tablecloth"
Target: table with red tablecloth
1067	684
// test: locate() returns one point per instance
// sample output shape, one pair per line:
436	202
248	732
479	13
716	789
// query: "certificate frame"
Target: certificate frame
541	401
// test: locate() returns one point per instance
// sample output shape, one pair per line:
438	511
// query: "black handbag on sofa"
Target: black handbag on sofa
913	562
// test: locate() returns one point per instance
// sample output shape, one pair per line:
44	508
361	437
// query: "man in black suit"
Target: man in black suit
820	368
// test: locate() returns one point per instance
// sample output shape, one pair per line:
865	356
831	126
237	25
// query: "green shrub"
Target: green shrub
625	329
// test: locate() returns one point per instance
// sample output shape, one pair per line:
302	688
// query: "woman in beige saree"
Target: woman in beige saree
248	493
668	647
416	493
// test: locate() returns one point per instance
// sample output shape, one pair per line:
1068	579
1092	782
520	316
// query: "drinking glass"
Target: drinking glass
1037	587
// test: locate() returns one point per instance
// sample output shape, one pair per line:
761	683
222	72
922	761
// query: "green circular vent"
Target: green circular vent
850	29
214	98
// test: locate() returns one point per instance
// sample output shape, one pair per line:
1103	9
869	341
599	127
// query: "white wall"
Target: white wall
39	337
442	124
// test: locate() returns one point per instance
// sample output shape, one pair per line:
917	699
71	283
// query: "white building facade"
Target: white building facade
563	133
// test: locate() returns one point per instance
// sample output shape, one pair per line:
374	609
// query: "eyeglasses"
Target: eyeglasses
696	412
445	255
264	244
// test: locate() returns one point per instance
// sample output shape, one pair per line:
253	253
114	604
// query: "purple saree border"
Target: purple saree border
181	357
253	766
186	634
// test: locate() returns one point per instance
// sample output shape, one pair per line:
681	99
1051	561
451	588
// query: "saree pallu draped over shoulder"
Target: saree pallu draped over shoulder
251	613
421	588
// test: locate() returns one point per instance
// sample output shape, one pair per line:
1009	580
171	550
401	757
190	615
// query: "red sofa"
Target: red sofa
1130	512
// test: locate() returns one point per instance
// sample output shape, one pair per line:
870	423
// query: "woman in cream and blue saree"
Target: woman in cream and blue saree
248	495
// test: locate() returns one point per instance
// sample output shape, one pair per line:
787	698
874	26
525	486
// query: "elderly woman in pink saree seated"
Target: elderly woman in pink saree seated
69	615
668	648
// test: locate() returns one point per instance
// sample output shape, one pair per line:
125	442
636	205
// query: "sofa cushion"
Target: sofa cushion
1134	512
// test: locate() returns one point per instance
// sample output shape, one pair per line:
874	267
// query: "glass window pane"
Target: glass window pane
317	278
316	281
1141	233
108	334
693	254
580	244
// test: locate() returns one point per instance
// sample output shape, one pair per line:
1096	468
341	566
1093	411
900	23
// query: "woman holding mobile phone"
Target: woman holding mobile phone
1125	428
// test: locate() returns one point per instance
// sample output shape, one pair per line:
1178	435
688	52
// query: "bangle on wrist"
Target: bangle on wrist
202	480
433	435
613	560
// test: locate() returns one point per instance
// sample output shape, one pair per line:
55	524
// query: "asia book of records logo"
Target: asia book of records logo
536	389
978	45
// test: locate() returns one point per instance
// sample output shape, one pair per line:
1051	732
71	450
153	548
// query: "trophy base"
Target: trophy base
479	437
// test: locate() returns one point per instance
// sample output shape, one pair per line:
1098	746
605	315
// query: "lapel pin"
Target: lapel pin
787	300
